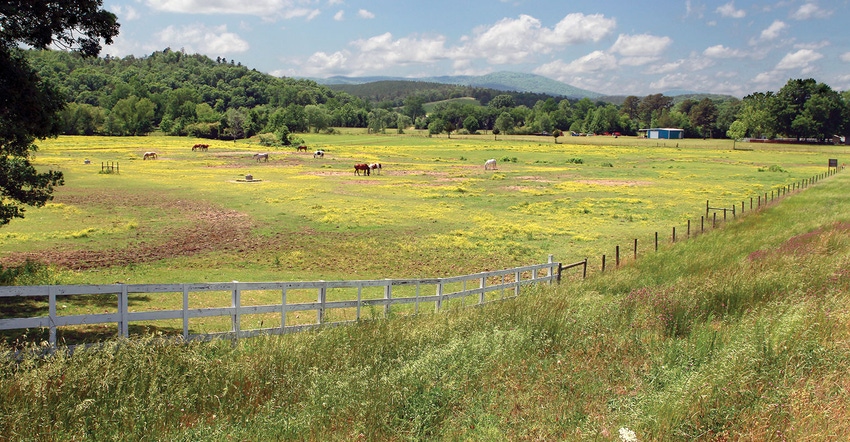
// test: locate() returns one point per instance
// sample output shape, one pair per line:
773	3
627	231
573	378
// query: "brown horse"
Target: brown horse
202	147
361	167
302	147
149	155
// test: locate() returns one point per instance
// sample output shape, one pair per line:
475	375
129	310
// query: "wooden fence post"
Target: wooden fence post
235	317
617	257
388	295
185	312
674	233
656	241
635	249
603	263
439	303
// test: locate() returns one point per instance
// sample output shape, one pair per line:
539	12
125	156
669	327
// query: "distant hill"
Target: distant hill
502	81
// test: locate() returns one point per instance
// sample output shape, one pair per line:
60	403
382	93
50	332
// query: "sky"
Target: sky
613	47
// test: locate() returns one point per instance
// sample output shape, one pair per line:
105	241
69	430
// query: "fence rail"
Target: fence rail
508	283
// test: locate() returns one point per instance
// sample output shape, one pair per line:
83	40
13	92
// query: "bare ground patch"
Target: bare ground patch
627	183
206	228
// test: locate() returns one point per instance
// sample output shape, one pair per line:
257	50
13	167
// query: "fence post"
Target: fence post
635	249
235	316
584	272
388	296
517	276
320	298
483	283
603	263
439	303
689	228
674	233
656	241
617	258
51	314
185	311
706	207
549	270
124	306
283	309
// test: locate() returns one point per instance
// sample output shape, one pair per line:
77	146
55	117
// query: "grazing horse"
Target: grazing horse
149	155
302	147
375	167
261	157
363	167
490	164
319	154
203	147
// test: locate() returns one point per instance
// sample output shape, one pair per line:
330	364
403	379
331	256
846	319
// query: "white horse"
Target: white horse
375	167
261	157
149	155
490	164
319	154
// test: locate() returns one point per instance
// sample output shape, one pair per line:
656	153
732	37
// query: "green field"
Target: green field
738	334
432	211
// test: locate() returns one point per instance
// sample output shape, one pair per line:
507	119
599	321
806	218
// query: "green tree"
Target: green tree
703	115
29	107
436	126
131	116
317	117
505	123
471	124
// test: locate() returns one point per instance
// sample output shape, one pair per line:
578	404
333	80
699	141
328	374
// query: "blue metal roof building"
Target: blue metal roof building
666	133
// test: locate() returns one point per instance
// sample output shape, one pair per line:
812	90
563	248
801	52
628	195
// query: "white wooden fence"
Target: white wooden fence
474	289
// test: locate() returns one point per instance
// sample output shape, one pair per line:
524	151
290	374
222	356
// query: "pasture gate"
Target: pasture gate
332	302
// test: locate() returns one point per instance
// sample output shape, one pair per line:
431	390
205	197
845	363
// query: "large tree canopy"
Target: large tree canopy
29	107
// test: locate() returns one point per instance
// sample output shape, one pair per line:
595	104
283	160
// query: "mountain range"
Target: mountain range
503	81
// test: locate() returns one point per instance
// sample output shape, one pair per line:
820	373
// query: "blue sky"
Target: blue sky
630	47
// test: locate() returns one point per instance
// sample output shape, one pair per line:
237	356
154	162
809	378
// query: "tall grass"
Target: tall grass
738	334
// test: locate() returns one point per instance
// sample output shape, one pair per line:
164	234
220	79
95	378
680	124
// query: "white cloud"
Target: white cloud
642	45
720	51
517	40
125	13
596	61
801	59
845	57
340	15
728	10
322	63
263	8
773	31
383	50
199	38
810	10
365	14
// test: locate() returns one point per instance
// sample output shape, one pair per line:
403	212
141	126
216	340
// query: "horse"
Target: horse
319	154
490	164
375	167
149	155
363	167
302	147
261	157
203	147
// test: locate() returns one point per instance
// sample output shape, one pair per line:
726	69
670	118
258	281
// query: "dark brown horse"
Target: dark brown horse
361	167
302	147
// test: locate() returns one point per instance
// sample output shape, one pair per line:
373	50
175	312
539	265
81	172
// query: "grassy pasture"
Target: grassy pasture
432	211
740	334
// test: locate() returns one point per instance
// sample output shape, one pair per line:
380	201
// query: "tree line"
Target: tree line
192	94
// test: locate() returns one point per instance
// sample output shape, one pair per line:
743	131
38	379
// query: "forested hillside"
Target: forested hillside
182	94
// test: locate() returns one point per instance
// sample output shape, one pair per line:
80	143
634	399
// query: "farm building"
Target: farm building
664	133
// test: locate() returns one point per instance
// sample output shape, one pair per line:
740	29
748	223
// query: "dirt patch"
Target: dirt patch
627	183
206	228
800	245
